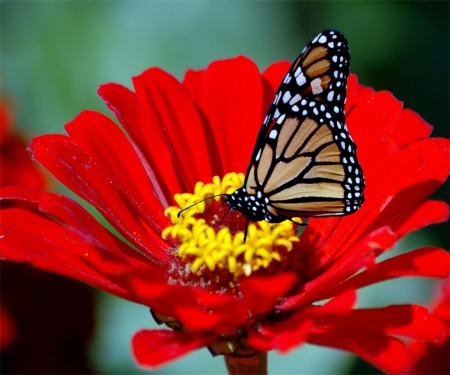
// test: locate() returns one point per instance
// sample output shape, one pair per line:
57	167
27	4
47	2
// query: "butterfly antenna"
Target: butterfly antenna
192	205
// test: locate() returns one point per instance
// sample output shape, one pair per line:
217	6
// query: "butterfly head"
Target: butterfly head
252	206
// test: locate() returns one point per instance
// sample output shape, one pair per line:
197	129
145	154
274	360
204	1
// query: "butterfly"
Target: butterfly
304	162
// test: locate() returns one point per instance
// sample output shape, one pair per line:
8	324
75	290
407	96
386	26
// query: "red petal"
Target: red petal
366	333
193	82
417	128
386	353
429	212
233	105
77	171
176	120
110	150
275	73
294	329
280	339
362	255
189	304
421	168
261	293
152	150
200	310
356	93
54	233
154	348
425	262
409	321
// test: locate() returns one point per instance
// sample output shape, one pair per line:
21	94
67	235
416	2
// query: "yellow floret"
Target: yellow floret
208	248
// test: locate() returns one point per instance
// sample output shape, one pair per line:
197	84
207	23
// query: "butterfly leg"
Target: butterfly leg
246	228
223	217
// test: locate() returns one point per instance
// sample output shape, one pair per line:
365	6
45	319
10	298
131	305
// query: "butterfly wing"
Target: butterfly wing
304	160
320	72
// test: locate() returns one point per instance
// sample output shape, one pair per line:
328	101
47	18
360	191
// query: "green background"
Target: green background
54	55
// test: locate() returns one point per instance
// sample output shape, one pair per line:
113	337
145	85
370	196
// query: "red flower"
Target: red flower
238	304
433	358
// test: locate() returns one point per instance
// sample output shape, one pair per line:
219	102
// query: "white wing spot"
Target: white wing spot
280	120
316	86
287	95
259	155
295	99
295	108
323	39
301	80
330	96
273	134
331	45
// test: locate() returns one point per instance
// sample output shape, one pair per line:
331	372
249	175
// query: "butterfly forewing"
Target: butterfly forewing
321	71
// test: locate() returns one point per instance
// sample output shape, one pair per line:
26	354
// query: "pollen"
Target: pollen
208	243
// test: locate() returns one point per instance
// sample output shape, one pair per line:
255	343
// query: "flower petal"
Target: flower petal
233	104
151	150
78	172
153	348
175	119
261	293
387	353
422	215
193	83
362	255
56	234
417	128
425	262
110	150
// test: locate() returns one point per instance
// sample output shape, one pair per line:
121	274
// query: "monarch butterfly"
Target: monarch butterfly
304	161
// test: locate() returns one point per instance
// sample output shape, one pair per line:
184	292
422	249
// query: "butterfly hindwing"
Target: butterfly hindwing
307	165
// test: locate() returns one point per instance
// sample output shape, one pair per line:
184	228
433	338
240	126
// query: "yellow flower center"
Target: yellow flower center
207	243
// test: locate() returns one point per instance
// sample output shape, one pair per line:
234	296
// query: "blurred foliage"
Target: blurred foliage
54	55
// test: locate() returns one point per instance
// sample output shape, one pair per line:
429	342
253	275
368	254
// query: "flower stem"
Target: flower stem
254	365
